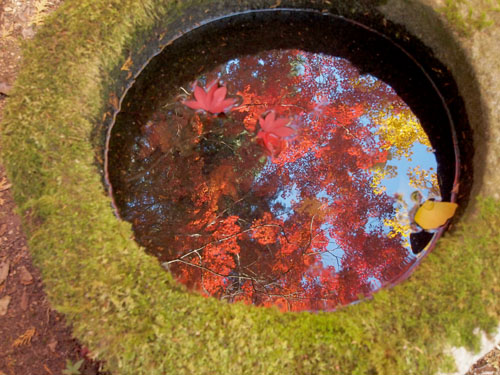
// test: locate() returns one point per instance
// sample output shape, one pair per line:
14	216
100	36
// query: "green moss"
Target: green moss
468	16
129	311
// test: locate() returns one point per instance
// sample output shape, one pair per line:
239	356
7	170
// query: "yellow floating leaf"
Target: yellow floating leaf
432	215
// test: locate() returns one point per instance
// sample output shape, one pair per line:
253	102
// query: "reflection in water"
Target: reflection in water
286	179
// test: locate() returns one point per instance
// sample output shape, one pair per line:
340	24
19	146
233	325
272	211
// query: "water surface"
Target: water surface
296	192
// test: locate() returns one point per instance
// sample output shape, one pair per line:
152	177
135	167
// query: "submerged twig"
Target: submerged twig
141	174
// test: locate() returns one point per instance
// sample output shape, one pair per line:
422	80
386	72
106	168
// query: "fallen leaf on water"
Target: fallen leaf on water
272	132
211	99
4	271
4	305
432	215
276	126
25	338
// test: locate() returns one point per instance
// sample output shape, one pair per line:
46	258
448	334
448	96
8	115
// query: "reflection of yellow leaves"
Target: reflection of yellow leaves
422	179
400	225
432	215
382	173
400	130
397	227
25	338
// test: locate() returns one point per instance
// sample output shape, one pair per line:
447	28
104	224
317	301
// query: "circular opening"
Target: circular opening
281	158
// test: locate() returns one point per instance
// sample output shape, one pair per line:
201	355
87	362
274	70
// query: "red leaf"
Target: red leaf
273	144
211	99
272	133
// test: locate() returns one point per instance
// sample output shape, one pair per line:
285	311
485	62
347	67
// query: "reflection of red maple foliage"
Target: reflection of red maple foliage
231	223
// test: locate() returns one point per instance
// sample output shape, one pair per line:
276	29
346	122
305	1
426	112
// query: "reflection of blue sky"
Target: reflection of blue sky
375	283
285	199
232	65
334	253
401	183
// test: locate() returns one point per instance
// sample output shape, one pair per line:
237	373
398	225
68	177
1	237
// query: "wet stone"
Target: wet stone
284	177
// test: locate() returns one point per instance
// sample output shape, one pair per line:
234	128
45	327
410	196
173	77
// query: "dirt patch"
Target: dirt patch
35	338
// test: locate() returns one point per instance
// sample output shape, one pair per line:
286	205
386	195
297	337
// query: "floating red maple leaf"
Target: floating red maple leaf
272	133
211	99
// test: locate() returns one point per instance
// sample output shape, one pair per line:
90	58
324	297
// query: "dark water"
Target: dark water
285	178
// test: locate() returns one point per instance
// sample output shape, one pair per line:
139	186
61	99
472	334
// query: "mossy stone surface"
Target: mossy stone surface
130	313
469	48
